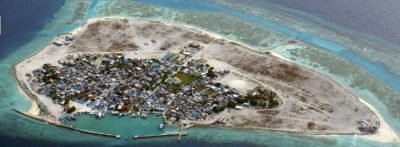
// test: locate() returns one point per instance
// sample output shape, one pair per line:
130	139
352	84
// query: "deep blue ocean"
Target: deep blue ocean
23	19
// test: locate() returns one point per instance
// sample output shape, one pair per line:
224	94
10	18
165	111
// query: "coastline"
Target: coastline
384	134
376	137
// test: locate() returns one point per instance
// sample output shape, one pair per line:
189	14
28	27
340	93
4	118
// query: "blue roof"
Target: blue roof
91	104
167	56
79	87
80	100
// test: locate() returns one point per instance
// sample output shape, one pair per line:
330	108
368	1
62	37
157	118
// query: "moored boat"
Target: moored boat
161	126
114	112
144	115
99	115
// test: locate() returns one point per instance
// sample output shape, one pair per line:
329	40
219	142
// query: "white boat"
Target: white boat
99	115
144	115
115	112
161	125
134	115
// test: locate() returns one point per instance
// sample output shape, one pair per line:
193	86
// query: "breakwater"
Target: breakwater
67	127
159	135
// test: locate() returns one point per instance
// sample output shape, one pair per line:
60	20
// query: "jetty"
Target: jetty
67	127
159	135
180	133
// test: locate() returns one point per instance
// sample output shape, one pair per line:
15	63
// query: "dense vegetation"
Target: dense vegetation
261	97
70	110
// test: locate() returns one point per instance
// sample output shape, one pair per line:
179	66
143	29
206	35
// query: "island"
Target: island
190	77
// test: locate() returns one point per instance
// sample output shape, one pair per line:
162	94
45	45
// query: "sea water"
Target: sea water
17	130
125	126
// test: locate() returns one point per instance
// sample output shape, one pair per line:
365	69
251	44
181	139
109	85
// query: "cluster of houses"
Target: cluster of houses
177	86
63	39
366	127
194	95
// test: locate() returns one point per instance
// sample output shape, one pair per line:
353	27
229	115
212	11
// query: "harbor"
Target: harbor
125	125
145	133
68	127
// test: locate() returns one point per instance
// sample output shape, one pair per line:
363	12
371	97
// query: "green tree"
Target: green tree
215	109
70	110
222	108
231	104
253	102
311	125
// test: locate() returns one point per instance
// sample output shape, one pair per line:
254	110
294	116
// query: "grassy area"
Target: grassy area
200	88
209	92
176	88
185	78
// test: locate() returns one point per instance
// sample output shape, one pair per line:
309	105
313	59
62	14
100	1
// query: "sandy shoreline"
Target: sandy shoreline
385	133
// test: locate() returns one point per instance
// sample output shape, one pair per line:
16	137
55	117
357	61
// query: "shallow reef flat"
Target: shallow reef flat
128	8
354	77
231	27
382	54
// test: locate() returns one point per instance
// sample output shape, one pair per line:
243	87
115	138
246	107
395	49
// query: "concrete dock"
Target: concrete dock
68	127
180	133
159	135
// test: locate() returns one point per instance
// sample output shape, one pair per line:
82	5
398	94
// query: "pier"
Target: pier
159	135
180	133
67	127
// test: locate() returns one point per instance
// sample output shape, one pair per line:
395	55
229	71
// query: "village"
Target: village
175	86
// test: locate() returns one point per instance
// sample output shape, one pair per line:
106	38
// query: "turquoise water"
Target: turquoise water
16	126
125	126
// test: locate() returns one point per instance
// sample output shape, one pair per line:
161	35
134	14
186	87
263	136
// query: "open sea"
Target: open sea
341	29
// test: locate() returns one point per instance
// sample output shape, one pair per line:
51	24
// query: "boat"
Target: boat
99	115
144	115
72	117
134	115
161	126
115	112
121	114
